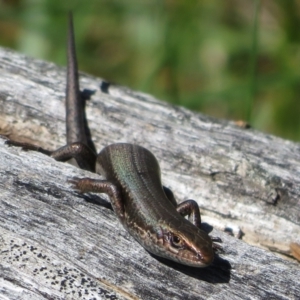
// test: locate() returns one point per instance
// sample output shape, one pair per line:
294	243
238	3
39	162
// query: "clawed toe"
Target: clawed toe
215	244
74	182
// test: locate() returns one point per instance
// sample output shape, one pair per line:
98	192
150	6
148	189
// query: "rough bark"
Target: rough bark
57	244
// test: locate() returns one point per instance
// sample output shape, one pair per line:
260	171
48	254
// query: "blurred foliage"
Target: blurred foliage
234	59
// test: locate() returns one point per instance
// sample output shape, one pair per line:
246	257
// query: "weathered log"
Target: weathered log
57	244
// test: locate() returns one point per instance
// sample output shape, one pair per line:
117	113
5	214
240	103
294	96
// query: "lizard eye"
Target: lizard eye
176	241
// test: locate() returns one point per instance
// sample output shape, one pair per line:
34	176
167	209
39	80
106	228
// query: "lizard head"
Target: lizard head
188	244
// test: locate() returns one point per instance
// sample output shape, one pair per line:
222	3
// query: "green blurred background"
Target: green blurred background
233	59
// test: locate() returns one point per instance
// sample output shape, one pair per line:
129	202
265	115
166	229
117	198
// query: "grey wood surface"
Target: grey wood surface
57	244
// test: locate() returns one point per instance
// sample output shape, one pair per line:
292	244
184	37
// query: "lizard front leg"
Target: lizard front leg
85	185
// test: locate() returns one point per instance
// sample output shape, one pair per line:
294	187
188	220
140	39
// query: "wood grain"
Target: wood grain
57	244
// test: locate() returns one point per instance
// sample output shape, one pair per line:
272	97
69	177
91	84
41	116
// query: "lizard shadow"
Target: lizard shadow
90	198
104	86
86	95
217	272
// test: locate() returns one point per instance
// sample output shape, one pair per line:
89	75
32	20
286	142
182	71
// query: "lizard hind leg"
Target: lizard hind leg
28	147
85	156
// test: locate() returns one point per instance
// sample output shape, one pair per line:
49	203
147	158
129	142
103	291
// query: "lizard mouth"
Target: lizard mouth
192	258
